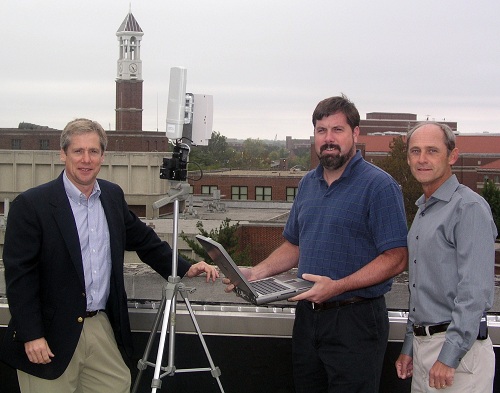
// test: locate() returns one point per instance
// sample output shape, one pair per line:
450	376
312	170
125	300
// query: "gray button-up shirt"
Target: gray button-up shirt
451	266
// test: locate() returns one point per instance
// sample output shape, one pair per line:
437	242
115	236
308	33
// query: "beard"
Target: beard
332	162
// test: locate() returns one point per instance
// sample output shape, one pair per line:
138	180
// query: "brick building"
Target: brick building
129	76
479	154
25	138
248	185
262	239
479	158
384	122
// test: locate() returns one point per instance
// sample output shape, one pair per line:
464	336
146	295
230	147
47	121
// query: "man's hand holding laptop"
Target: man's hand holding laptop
324	287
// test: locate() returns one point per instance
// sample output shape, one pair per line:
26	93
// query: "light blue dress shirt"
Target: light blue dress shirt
93	232
451	246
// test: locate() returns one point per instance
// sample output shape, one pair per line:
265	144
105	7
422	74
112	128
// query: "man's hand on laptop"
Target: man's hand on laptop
247	272
202	267
324	288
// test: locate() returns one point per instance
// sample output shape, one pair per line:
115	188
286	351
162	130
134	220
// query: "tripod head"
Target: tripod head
175	168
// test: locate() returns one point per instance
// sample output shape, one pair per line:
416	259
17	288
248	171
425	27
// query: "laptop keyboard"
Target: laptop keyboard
267	286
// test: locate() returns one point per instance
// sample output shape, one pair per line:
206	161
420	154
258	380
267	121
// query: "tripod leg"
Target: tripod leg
214	370
170	295
170	370
142	363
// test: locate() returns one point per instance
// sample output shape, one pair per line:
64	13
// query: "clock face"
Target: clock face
132	67
120	67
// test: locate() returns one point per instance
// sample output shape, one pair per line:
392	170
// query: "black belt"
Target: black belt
419	330
338	303
90	314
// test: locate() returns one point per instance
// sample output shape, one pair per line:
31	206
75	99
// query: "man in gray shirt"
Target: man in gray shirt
451	270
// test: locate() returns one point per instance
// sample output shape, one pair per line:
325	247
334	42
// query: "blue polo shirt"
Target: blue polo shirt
341	228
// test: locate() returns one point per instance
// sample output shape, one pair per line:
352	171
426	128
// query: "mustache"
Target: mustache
330	146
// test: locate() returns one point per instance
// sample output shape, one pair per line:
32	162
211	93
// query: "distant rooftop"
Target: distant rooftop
251	173
466	143
390	116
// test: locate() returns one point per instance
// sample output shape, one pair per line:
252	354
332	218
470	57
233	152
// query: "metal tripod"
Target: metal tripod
167	310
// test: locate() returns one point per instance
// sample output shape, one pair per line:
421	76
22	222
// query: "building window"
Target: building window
16	144
263	193
290	193
239	193
208	190
44	144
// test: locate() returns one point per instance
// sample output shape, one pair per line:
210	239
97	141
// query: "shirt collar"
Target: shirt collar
443	193
75	194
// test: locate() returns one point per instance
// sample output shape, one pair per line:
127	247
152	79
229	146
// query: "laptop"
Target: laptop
271	289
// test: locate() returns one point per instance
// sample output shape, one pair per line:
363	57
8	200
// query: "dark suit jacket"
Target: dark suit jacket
44	272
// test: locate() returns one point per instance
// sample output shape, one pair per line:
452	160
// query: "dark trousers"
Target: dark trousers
340	350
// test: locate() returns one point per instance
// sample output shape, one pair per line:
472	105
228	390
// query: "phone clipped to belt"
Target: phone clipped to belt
483	328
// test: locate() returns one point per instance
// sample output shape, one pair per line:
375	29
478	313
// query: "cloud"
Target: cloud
267	63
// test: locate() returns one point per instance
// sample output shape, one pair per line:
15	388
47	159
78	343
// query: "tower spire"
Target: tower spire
129	75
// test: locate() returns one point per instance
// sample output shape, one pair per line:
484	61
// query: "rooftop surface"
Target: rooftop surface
143	284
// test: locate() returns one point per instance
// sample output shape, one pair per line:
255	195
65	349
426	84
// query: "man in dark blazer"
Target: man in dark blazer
63	256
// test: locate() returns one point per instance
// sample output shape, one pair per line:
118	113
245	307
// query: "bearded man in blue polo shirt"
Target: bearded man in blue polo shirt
347	234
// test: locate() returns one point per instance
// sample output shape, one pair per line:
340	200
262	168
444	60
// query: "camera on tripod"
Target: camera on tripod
175	168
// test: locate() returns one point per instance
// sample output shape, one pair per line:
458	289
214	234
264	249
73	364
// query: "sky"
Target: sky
267	63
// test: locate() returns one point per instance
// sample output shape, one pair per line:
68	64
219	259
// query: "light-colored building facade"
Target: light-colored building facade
136	173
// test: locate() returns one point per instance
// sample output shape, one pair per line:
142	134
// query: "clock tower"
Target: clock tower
129	76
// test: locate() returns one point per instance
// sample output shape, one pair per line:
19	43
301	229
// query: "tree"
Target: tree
255	154
396	165
491	194
225	235
302	158
216	154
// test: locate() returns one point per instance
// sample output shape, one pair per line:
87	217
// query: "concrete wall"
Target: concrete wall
137	173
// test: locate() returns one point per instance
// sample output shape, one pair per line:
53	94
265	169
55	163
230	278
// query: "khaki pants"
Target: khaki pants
96	366
474	374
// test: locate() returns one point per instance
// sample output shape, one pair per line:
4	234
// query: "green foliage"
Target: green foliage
396	165
253	154
225	235
491	193
301	158
214	156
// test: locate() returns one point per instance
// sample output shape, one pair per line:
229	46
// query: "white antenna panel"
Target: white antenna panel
176	102
203	108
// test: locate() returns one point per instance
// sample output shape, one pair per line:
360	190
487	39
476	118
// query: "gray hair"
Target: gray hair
449	136
83	126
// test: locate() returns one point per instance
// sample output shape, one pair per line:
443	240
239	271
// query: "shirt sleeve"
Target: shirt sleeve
291	231
21	258
387	217
407	348
474	234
